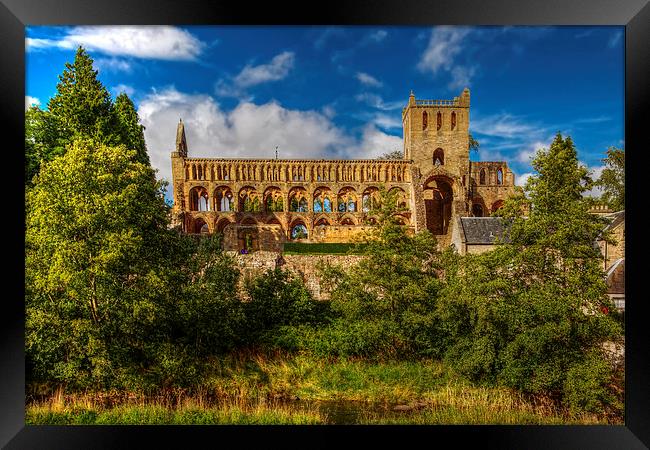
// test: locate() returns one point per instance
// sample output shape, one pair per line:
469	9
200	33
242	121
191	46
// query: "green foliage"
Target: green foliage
96	234
529	313
393	290
129	128
612	179
586	386
209	307
473	143
81	108
395	154
42	140
82	104
277	299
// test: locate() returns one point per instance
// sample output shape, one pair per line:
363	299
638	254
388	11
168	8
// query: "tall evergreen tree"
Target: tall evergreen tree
82	104
129	128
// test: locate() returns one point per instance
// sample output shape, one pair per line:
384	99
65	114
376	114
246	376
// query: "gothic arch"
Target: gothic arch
439	157
221	224
224	200
199	199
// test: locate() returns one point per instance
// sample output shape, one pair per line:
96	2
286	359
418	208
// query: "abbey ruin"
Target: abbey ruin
259	204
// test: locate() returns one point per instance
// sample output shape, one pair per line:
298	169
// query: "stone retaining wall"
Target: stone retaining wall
303	266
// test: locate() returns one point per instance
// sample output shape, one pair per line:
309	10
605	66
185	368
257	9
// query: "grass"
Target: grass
256	388
80	410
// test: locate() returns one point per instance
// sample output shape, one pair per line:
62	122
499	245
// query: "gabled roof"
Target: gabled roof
483	230
616	218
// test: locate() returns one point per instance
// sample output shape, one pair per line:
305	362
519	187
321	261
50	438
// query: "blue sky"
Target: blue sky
337	92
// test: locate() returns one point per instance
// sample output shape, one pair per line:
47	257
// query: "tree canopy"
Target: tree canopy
612	179
81	108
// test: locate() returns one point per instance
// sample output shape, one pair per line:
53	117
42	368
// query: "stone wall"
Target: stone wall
303	266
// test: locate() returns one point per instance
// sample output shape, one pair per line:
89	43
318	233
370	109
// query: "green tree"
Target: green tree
473	143
42	140
82	104
386	302
395	154
612	179
97	245
533	313
129	127
81	108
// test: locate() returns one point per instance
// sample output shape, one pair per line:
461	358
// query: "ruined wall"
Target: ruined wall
303	266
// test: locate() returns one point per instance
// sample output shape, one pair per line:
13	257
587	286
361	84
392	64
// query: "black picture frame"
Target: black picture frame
16	14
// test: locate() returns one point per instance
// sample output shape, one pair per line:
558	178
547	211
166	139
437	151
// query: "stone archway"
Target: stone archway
438	197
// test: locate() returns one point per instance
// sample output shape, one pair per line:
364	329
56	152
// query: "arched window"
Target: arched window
226	202
299	231
499	176
453	120
439	120
198	199
438	157
482	177
297	201
201	227
249	200
224	199
425	120
327	205
477	210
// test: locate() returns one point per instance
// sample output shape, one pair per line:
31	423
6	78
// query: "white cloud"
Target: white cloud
520	180
277	69
113	65
149	42
526	154
249	130
329	111
445	44
327	34
31	101
128	90
375	143
376	101
387	121
461	77
368	80
504	125
377	36
614	39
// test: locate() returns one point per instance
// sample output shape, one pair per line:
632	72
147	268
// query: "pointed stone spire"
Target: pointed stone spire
181	142
412	98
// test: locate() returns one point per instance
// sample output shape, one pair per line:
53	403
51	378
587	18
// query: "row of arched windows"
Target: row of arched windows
425	120
282	172
483	175
273	200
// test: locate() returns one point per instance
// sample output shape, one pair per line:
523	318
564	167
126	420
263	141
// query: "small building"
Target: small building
614	258
476	235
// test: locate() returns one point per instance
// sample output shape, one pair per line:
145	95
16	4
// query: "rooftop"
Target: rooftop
483	230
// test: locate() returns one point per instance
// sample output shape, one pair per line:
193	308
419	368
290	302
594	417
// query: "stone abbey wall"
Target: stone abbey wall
261	203
304	267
